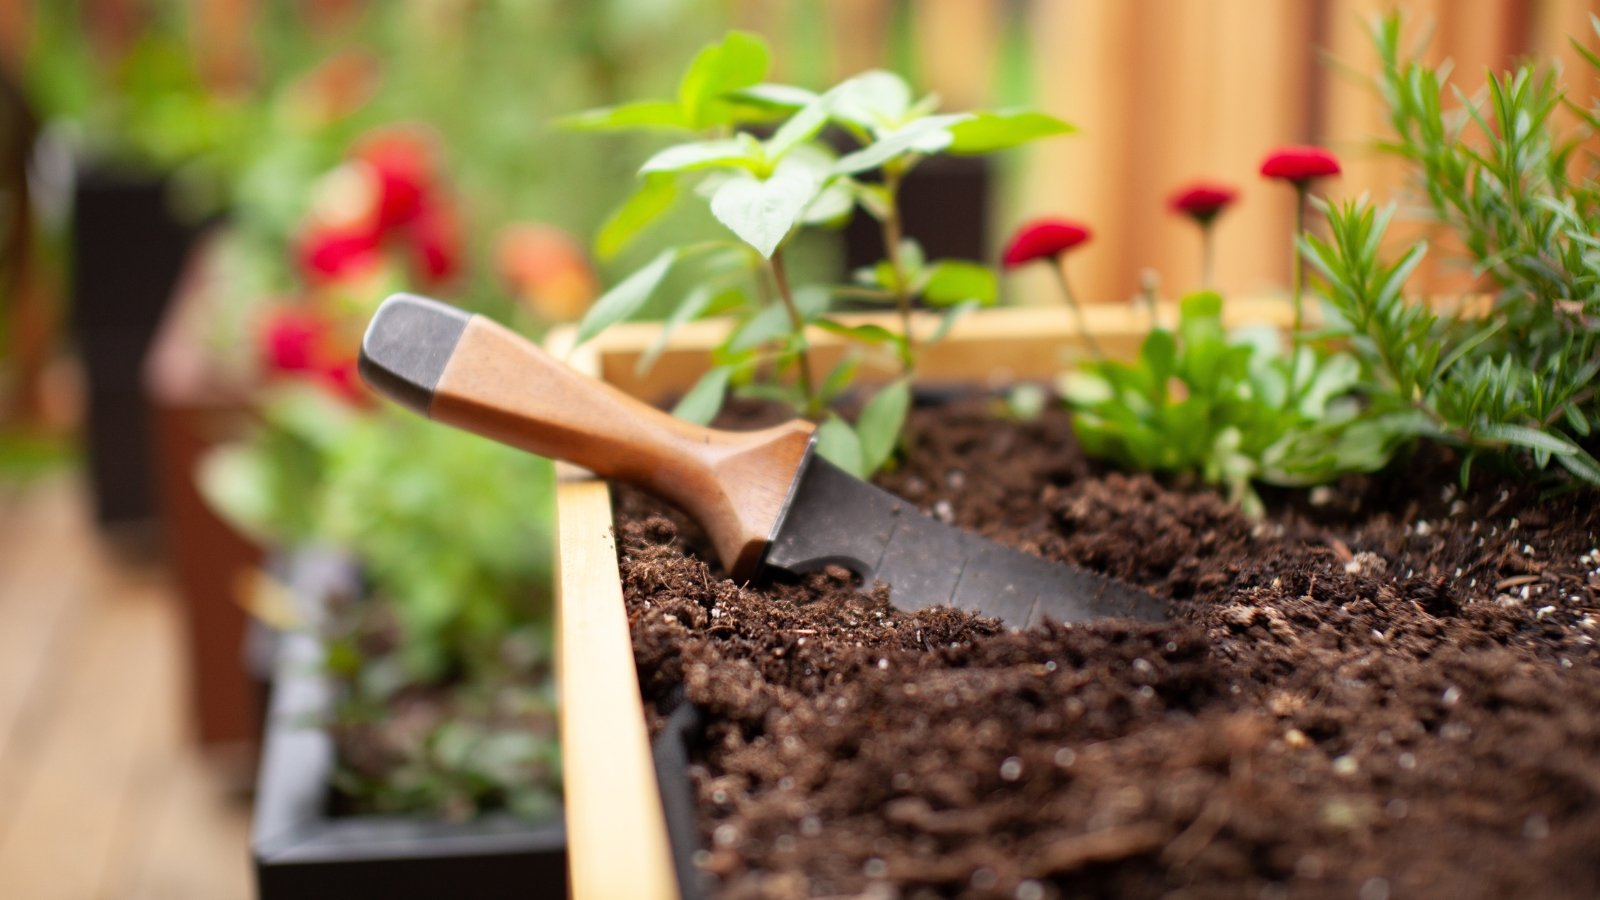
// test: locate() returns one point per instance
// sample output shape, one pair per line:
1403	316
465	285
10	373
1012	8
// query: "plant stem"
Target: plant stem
1208	256
807	385
1059	267
1296	276
893	233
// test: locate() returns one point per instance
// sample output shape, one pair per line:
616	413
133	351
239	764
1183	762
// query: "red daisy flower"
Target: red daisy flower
1202	201
1299	164
1044	239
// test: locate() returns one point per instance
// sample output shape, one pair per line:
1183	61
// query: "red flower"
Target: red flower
405	162
1202	201
1044	238
1299	164
434	241
330	253
290	340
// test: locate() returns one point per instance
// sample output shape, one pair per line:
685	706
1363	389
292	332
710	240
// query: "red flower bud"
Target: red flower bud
1044	238
1202	201
1299	164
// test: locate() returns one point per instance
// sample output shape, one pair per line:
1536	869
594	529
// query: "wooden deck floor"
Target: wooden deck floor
102	794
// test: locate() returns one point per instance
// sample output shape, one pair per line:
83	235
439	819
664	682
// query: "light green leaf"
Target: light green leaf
801	127
878	429
694	303
705	155
762	213
781	96
952	281
700	405
626	297
875	100
832	205
740	61
922	136
988	132
951	317
646	205
661	114
839	377
1531	438
837	443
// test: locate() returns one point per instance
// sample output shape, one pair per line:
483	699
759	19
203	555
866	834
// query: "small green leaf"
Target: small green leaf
839	378
875	100
922	136
646	205
1531	438
700	405
800	127
988	132
952	281
866	333
837	443
694	303
762	213
949	320
779	96
658	114
627	297
739	62
878	430
705	155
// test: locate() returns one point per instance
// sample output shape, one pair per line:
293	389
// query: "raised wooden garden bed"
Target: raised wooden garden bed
610	783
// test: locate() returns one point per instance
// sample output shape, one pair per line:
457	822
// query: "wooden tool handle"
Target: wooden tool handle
472	373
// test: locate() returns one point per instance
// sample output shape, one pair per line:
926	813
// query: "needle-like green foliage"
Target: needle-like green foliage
1512	382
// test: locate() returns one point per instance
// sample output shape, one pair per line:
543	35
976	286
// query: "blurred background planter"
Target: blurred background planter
304	851
128	250
194	404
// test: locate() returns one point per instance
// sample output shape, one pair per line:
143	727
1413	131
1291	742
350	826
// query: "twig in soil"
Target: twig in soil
1110	845
1515	581
1200	833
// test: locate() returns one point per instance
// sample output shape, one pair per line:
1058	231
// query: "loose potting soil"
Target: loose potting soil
1389	689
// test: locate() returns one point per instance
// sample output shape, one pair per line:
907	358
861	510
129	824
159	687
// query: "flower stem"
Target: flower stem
1059	267
1208	255
1296	277
893	234
780	277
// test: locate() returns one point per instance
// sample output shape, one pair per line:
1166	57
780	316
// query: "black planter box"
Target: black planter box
128	250
303	852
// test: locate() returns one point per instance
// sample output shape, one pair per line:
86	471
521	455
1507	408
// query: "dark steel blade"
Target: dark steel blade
835	519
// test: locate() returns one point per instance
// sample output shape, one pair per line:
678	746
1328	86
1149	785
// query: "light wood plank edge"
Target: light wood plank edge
616	833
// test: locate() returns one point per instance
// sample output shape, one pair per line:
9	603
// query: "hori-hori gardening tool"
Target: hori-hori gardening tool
765	498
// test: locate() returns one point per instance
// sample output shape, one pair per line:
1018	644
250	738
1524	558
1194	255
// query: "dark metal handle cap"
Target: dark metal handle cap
407	345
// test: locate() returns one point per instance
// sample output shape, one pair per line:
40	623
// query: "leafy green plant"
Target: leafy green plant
758	158
451	535
1208	404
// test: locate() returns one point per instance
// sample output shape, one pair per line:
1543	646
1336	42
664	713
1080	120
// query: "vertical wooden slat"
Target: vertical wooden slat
957	41
616	834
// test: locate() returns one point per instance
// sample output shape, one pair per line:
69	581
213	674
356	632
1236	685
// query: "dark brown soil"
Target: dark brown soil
1394	693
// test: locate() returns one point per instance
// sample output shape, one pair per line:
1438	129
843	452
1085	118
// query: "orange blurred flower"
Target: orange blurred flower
546	269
